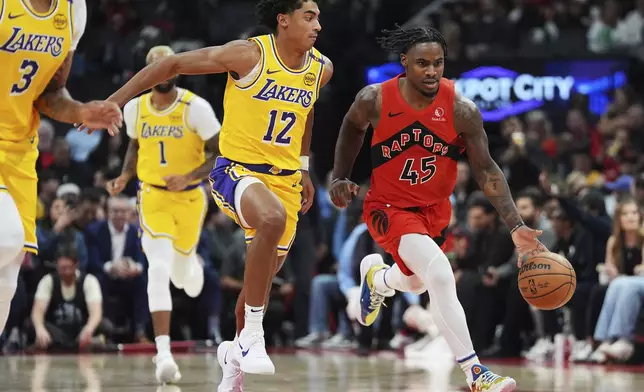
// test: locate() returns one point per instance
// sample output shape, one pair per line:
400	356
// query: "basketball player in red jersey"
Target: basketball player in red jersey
421	128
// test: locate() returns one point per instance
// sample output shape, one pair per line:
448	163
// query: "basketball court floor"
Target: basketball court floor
297	372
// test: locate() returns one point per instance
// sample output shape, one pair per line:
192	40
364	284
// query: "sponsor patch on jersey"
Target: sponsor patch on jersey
309	79
60	21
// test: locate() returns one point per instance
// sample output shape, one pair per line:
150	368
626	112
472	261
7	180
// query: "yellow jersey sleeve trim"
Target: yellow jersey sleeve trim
138	116
41	15
71	18
260	72
318	84
2	4
276	55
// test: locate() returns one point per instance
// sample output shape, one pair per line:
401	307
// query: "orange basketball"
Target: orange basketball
547	281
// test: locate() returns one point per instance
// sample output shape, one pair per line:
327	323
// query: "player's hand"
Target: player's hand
116	186
100	115
308	192
43	339
527	243
342	192
177	182
491	277
85	336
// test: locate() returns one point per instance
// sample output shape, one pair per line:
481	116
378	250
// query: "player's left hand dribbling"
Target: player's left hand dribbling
308	192
527	242
342	192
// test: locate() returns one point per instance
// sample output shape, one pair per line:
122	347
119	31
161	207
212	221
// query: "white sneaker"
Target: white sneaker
543	348
313	339
232	379
194	279
599	355
167	371
338	341
250	351
581	350
399	341
622	350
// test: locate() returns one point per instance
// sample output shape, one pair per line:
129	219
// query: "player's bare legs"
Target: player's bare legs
430	265
160	253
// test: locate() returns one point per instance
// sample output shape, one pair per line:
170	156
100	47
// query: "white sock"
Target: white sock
392	279
466	364
8	285
380	282
163	344
421	254
254	316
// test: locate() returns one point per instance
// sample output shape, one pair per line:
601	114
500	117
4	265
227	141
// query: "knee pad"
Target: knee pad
12	232
426	259
9	279
160	254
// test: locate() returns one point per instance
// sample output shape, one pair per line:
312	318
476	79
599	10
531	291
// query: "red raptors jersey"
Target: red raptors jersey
414	152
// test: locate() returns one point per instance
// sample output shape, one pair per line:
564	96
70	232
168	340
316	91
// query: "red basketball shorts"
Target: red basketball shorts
387	224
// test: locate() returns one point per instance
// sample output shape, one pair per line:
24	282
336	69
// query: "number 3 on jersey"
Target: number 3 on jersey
28	69
287	120
427	170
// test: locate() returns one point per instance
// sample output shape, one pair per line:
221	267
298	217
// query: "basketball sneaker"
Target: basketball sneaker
167	371
484	380
250	351
232	379
370	299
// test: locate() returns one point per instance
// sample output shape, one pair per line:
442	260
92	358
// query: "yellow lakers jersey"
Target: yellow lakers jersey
167	144
264	118
32	47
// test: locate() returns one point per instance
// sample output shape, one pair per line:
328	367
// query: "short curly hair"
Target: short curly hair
267	10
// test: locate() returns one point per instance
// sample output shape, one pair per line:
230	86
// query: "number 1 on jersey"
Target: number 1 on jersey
427	169
163	162
288	118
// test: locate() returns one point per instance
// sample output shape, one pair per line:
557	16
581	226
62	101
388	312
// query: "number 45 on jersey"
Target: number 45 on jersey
424	170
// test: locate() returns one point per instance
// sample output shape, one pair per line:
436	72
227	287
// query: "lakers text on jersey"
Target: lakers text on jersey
32	47
266	113
168	146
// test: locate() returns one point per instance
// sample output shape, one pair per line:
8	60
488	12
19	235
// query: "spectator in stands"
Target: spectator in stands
47	186
623	301
117	260
638	190
56	230
630	29
67	308
483	276
602	34
46	134
66	169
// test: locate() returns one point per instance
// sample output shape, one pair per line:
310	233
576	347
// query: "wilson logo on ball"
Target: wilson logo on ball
533	266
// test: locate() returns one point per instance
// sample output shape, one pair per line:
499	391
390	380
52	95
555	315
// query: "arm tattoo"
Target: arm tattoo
56	102
469	124
201	172
353	129
131	158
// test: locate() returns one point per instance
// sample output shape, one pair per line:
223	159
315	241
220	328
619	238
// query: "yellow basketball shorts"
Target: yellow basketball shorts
224	179
175	215
18	177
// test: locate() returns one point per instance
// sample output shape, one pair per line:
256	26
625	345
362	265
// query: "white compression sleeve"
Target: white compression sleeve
160	254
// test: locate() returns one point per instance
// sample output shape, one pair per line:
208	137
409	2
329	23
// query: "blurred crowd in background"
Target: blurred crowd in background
579	177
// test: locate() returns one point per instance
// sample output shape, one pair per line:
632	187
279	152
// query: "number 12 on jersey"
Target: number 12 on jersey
427	170
287	120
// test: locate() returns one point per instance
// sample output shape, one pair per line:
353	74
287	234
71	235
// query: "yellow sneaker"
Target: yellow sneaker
370	299
484	380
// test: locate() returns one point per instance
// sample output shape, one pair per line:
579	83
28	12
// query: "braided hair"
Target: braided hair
267	10
400	40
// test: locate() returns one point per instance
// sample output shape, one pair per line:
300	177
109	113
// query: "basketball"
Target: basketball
547	281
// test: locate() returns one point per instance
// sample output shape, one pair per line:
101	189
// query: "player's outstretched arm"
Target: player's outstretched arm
469	124
236	56
58	104
362	112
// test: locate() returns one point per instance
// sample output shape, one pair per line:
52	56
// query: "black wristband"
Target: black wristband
516	227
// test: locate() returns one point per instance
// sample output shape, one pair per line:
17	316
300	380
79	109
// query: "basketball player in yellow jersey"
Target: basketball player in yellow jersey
37	42
168	129
273	82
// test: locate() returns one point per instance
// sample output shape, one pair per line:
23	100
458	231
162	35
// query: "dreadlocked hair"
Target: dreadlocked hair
400	40
267	10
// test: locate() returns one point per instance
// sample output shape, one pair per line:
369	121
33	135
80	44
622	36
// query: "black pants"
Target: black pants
485	307
517	319
302	265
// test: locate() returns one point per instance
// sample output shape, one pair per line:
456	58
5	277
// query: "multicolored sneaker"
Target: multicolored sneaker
370	299
484	380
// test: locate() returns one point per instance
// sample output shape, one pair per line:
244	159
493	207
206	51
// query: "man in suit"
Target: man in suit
115	257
